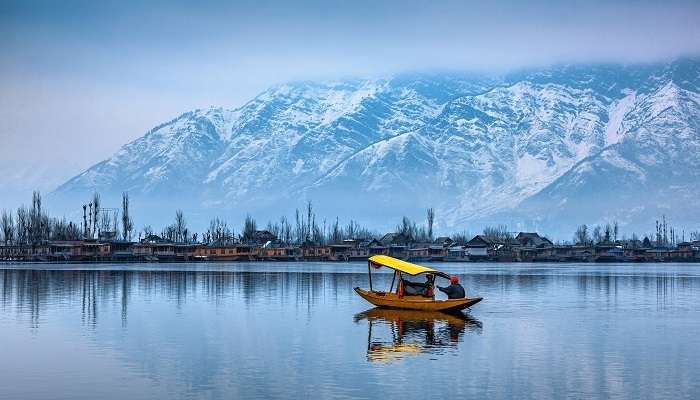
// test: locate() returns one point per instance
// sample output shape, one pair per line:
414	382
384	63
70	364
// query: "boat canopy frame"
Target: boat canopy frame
399	267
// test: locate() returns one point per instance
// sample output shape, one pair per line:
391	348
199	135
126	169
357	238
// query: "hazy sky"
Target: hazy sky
79	79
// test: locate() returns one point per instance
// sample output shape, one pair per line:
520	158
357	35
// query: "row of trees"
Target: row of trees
105	223
664	236
306	228
598	235
178	231
420	233
32	224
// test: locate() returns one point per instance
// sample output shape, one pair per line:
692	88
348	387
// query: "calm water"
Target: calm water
297	330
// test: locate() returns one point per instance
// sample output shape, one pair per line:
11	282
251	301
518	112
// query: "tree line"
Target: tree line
30	225
664	236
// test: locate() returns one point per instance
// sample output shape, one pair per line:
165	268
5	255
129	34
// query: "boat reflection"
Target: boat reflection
394	334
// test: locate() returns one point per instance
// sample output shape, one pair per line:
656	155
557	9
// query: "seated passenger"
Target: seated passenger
411	288
429	285
418	288
414	288
455	290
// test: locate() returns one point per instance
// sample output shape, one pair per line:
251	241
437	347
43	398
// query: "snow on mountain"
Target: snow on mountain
614	131
478	148
652	170
482	152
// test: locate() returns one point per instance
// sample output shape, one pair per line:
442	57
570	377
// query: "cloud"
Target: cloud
94	75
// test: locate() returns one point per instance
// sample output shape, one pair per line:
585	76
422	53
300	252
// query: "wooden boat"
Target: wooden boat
398	299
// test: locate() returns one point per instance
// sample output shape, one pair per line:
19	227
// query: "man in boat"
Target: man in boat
455	290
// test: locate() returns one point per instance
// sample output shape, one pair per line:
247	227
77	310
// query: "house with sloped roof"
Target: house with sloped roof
374	247
455	253
396	238
479	246
533	239
495	248
264	236
445	241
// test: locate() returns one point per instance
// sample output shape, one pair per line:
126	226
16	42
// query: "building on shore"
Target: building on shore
264	246
226	252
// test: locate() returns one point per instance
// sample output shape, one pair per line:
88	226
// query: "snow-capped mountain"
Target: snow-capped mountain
653	170
535	149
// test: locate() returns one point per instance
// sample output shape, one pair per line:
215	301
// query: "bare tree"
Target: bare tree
351	230
607	233
665	230
180	226
95	212
316	234
405	227
335	232
249	228
461	237
498	232
298	231
219	232
286	230
22	225
147	231
105	223
635	240
581	236
274	228
63	230
115	229
85	226
431	219
309	227
169	233
7	226
38	221
127	222
597	235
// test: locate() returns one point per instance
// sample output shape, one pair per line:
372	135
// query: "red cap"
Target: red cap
454	279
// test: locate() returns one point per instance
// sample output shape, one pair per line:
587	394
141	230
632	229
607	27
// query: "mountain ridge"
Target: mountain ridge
481	149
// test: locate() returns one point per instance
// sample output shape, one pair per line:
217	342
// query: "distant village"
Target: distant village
107	235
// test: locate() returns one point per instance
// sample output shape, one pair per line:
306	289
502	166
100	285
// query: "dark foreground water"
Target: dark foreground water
298	331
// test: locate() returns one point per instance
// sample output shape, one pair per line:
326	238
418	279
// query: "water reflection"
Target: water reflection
394	334
30	292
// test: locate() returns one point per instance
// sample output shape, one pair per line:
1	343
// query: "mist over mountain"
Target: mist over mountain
543	150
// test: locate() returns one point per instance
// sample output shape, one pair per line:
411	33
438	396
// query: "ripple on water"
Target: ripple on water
265	330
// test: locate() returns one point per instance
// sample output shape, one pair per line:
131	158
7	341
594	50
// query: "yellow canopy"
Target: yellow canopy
399	265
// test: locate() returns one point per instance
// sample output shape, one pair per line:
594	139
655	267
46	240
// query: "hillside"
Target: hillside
543	149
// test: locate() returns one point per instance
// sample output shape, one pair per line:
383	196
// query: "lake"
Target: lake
297	330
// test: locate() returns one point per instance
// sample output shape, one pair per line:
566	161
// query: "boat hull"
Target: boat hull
392	300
